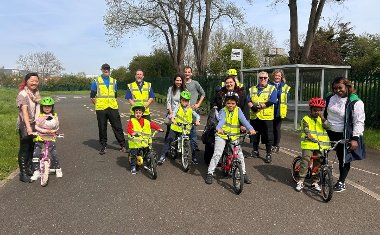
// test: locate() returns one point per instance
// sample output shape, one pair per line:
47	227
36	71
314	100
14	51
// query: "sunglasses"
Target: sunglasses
263	77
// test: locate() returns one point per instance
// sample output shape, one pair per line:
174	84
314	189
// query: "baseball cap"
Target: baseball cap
106	66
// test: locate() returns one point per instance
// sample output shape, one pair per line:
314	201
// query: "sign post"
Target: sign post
237	54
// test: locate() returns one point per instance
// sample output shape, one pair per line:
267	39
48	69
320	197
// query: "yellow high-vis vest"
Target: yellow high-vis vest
105	97
284	101
144	134
140	96
317	132
265	113
182	117
231	125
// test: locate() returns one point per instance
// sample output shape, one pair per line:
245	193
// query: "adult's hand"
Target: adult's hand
354	145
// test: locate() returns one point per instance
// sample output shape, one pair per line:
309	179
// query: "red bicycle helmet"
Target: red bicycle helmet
317	102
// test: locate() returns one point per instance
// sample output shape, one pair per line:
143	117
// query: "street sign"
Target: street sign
237	54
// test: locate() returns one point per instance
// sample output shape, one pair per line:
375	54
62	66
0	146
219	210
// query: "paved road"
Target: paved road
97	195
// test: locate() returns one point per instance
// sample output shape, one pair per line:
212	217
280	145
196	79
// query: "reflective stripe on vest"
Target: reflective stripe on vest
182	117
317	132
105	97
140	96
284	100
231	125
265	113
145	134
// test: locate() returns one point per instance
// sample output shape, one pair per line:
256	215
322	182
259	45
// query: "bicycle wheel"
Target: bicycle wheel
172	151
45	173
326	183
296	166
186	155
152	165
237	177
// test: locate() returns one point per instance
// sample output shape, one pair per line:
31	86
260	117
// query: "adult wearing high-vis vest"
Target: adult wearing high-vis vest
314	138
140	91
281	107
261	100
103	96
233	73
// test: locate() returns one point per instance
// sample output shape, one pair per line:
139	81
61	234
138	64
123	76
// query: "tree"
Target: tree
177	21
44	63
298	54
365	54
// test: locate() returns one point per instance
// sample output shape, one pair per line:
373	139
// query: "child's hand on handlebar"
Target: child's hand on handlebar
220	131
160	130
197	123
243	129
252	132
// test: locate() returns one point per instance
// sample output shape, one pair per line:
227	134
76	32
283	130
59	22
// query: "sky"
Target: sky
74	30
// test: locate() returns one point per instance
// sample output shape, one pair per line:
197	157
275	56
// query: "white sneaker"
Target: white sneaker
58	173
36	175
316	186
299	186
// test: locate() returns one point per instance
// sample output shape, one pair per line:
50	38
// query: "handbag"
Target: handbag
167	120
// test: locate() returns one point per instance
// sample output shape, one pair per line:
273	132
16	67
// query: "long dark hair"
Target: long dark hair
183	85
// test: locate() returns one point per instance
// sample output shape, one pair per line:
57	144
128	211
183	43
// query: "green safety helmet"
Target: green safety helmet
138	105
231	72
47	101
186	95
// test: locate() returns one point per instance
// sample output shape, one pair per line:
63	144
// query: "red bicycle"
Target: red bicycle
231	164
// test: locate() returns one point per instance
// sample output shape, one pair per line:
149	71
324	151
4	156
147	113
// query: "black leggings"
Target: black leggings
343	168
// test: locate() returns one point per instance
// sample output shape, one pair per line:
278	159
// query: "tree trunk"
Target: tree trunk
294	45
181	38
315	15
204	44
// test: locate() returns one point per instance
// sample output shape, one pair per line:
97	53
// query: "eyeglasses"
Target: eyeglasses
263	77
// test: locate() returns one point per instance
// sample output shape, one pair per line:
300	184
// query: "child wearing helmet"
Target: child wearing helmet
47	125
230	118
314	138
183	113
139	131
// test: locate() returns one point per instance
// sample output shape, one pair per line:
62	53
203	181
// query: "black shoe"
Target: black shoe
275	149
195	161
162	160
268	158
123	149
339	187
25	178
208	179
246	179
255	154
102	150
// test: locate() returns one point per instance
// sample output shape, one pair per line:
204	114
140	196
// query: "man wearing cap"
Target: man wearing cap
103	96
140	91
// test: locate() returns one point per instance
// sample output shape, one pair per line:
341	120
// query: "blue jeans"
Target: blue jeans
193	141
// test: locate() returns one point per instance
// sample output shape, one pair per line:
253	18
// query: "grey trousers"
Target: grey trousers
220	143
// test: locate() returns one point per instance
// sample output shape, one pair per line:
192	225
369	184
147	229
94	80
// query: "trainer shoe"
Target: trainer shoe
58	173
339	187
316	186
275	149
36	175
123	149
255	154
268	158
133	170
102	150
246	179
161	160
208	179
299	186
195	161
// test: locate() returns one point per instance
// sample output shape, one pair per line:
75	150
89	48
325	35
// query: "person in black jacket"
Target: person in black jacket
345	116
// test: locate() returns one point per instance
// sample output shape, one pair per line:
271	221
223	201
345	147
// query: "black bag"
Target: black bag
358	154
208	135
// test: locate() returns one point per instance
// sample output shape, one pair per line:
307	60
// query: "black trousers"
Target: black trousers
25	153
264	129
113	116
277	131
343	168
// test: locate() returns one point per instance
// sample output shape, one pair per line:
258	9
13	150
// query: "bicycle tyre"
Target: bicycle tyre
326	183
153	165
45	173
237	177
185	156
296	166
172	152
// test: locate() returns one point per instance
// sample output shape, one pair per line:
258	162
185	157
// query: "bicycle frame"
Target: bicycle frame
231	158
181	138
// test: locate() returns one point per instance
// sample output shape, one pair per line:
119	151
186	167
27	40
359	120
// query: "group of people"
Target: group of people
260	112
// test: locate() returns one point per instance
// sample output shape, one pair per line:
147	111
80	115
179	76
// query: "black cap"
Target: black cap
106	66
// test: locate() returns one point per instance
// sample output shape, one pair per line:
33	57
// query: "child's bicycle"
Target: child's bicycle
325	175
230	163
181	147
147	158
45	161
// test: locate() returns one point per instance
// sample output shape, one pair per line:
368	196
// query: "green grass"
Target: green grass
371	137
